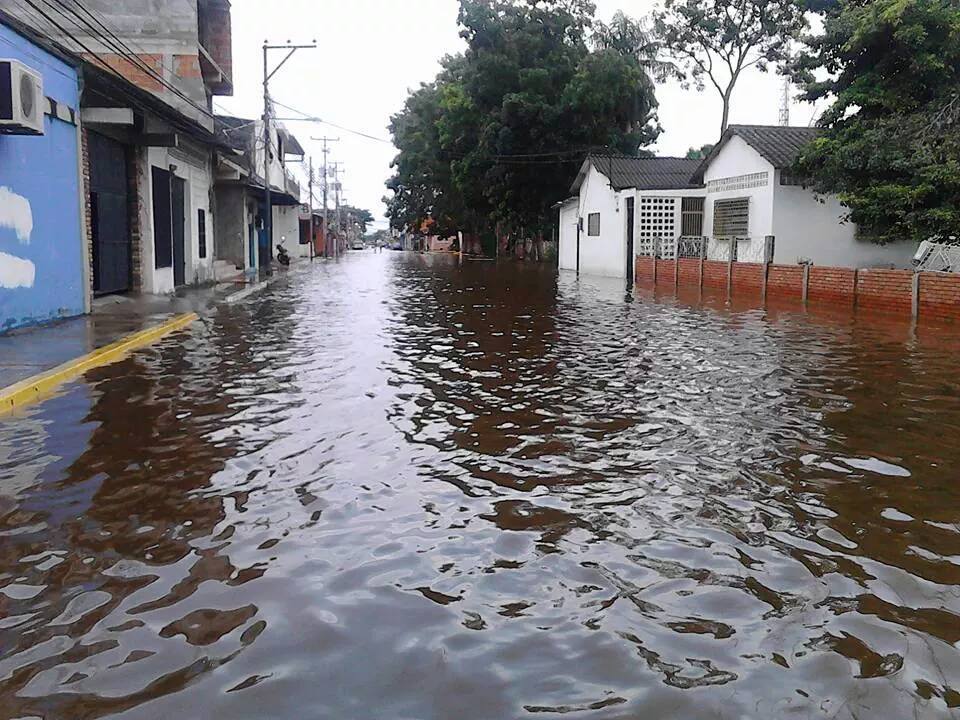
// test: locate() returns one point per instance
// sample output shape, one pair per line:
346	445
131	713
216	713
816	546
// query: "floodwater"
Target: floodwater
398	488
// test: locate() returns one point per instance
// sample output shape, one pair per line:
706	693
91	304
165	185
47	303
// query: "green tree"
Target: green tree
699	153
715	41
891	142
495	140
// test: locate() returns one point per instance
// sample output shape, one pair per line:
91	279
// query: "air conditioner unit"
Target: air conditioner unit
22	103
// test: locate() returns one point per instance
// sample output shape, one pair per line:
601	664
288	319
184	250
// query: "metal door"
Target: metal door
109	220
252	246
162	232
631	261
178	220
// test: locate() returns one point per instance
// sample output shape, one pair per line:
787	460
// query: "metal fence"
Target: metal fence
744	249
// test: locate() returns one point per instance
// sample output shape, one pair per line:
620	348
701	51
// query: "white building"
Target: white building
751	193
622	204
742	193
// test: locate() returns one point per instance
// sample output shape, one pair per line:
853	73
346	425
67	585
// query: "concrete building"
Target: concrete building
751	193
622	203
150	71
739	196
43	256
241	194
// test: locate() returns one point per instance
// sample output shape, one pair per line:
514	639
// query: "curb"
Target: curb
40	386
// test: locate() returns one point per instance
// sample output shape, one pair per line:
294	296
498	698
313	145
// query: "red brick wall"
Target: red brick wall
785	281
216	34
187	66
715	275
689	271
665	271
135	74
939	297
831	285
643	273
887	290
747	278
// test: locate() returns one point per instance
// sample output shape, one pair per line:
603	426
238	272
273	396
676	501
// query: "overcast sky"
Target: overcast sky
372	52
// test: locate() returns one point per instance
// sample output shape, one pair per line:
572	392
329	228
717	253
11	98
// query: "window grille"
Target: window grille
202	227
731	218
691	221
593	224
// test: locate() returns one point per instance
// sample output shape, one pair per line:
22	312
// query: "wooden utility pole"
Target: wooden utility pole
336	191
310	201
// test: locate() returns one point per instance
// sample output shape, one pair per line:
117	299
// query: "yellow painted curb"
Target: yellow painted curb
39	387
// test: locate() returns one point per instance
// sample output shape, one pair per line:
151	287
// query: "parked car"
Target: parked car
358	245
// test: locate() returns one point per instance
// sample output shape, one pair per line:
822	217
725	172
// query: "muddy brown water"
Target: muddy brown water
400	488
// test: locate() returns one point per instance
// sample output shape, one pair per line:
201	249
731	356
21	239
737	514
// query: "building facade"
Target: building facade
43	261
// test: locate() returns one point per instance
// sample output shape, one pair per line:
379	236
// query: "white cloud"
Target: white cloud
15	213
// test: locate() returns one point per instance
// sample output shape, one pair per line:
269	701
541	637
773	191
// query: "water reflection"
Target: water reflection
406	487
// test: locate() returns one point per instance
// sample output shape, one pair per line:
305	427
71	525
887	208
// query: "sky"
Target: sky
373	52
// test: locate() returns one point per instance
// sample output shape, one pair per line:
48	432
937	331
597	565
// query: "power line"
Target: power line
110	40
307	117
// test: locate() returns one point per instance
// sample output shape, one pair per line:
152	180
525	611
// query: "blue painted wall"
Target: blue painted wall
43	170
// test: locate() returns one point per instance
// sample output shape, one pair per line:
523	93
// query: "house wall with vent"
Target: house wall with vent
603	254
739	172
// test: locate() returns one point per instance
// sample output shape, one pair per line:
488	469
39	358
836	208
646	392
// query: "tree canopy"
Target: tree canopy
891	141
497	137
714	41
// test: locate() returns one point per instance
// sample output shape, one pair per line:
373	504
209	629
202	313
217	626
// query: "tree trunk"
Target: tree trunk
726	113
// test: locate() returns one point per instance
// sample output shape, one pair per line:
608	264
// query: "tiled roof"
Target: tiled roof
654	173
778	145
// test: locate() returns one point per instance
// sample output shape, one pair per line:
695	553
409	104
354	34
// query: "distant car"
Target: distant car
358	245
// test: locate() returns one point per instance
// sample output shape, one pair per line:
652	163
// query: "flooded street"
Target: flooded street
398	488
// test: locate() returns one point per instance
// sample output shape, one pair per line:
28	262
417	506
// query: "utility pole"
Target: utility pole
326	175
336	190
267	145
310	200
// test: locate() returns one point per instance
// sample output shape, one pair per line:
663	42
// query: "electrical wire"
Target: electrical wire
107	38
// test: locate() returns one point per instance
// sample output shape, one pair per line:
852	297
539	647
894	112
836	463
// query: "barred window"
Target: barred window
202	234
691	222
593	224
739	182
731	218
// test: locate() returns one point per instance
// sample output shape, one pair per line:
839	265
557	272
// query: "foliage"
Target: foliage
716	40
497	137
891	141
699	153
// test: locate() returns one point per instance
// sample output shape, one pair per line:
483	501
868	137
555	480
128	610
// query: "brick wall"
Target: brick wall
748	278
216	33
939	297
689	272
665	272
831	285
137	75
715	275
785	281
643	273
136	190
887	290
88	210
187	66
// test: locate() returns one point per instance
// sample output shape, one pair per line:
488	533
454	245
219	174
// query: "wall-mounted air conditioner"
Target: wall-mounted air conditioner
22	103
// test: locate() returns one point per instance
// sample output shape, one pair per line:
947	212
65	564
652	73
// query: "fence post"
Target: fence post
656	252
676	264
805	289
767	259
915	295
733	245
703	258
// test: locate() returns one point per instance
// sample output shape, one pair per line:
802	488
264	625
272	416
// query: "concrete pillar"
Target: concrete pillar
703	258
805	288
915	295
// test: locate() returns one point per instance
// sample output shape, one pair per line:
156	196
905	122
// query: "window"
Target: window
593	224
691	223
202	227
731	218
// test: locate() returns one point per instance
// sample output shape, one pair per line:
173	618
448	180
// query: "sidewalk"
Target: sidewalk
26	352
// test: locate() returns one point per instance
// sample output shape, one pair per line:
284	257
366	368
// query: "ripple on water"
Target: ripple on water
396	486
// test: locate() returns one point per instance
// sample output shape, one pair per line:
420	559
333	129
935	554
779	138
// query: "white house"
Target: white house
742	193
622	203
751	193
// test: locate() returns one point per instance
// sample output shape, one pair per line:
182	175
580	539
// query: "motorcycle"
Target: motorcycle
283	257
